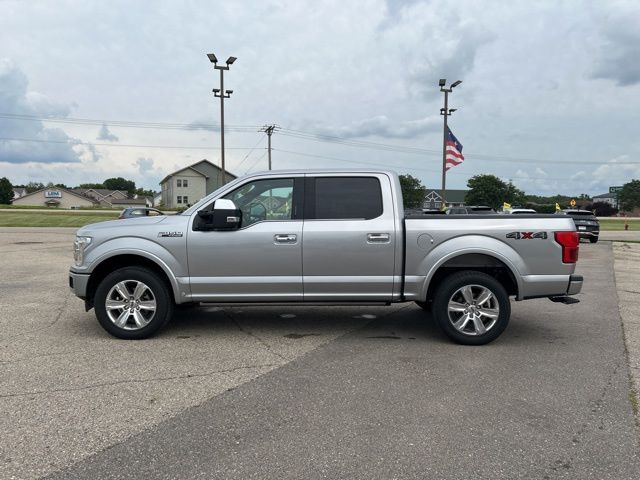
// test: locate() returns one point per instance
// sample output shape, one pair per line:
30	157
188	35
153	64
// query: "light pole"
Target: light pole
446	111
222	94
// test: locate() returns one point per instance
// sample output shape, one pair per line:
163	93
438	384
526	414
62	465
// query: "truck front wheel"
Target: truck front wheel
133	303
471	307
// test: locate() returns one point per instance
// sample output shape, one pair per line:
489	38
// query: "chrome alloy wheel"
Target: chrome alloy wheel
130	305
473	310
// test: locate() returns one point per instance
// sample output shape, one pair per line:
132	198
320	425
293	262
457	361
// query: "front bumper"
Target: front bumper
78	283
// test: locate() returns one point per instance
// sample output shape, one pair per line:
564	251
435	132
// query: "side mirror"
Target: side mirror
224	216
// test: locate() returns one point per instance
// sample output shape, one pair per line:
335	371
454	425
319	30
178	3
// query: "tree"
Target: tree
145	193
120	183
602	209
629	197
491	191
91	185
413	192
34	187
6	191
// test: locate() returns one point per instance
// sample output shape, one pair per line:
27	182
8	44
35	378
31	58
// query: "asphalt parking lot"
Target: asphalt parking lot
343	392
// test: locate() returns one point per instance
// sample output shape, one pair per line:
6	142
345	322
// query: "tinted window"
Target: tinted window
347	198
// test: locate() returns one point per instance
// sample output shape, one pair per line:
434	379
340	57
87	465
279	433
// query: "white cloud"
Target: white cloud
105	134
27	139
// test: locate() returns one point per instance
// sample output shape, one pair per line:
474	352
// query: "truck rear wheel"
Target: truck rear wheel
133	303
471	307
593	239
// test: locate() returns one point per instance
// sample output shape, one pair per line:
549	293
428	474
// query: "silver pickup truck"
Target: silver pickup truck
322	237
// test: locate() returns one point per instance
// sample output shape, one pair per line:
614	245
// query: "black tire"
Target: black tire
424	305
593	239
156	291
453	285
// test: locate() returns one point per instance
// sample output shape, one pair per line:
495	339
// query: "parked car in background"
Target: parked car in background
137	212
519	211
471	210
586	222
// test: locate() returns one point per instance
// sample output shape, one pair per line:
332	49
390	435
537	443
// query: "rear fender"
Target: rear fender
482	245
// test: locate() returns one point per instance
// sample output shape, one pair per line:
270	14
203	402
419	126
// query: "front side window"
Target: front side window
270	199
179	199
179	183
339	198
185	183
185	199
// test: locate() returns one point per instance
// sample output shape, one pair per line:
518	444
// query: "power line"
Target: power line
193	126
250	152
255	162
292	133
77	142
405	167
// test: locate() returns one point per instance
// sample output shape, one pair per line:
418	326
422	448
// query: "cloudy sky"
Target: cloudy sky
550	95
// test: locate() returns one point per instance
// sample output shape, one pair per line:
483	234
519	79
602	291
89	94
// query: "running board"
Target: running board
567	300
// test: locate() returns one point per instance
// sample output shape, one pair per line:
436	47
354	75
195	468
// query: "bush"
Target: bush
602	209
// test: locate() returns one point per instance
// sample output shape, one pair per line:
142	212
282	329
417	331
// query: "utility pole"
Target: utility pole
446	111
269	129
222	94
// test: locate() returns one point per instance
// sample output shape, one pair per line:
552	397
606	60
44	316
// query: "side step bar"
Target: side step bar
567	300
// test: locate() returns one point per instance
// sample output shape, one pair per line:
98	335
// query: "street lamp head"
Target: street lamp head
212	58
451	110
230	60
442	82
456	83
228	92
216	90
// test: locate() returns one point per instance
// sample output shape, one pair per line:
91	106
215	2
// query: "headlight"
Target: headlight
79	246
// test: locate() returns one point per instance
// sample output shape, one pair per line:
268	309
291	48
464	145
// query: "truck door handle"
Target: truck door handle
378	238
285	238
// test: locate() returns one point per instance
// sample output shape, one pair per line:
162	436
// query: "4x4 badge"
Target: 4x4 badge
527	235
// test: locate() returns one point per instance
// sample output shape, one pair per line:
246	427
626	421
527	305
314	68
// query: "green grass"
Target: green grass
53	218
634	224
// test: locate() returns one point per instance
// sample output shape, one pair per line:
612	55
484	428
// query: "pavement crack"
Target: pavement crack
256	337
58	316
147	380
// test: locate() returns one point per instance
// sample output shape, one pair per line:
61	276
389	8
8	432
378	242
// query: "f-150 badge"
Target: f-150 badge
527	235
169	234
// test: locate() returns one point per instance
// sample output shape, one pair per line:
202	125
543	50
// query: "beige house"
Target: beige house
55	197
105	197
185	187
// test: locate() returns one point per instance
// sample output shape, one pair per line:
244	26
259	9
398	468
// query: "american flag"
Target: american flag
453	155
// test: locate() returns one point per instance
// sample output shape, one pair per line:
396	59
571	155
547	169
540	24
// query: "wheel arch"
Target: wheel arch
489	262
121	260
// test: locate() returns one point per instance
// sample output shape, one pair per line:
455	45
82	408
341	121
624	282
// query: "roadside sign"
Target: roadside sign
615	189
572	202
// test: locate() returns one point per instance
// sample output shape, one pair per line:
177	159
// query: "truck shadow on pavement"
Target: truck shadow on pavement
407	323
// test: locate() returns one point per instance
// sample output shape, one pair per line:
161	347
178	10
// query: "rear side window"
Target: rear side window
341	198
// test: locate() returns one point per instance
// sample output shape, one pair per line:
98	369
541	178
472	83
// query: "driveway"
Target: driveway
346	392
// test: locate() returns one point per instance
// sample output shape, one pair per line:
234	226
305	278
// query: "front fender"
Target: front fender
168	259
467	244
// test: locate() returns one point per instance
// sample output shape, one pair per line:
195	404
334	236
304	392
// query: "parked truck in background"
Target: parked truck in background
323	237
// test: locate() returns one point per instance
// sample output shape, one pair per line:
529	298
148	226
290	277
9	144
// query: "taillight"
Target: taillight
570	242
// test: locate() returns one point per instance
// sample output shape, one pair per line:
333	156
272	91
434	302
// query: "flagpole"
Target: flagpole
445	112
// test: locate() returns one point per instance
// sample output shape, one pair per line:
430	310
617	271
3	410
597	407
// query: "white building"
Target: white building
610	198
